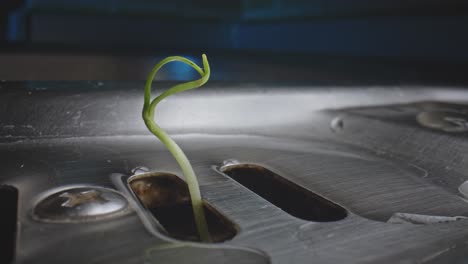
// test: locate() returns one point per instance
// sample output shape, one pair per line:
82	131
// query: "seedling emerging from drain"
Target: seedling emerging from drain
176	151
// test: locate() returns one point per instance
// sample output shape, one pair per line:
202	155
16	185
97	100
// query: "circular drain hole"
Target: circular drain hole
79	204
444	121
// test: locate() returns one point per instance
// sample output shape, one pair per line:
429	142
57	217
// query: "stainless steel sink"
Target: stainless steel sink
360	148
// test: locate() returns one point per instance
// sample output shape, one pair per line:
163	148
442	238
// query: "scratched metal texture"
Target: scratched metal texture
374	165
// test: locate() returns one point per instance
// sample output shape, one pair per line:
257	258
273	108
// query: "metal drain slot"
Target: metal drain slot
167	197
9	209
290	197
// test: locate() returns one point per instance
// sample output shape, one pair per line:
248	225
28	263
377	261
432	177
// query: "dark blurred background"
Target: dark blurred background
246	40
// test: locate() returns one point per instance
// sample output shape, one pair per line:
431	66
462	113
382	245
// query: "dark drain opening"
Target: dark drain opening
9	209
167	197
290	197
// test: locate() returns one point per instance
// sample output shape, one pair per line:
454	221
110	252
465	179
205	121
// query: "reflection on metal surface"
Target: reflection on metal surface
80	204
292	198
230	162
337	124
404	218
166	196
463	189
139	170
444	121
9	209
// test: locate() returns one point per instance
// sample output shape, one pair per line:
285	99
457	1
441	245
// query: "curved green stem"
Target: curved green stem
148	116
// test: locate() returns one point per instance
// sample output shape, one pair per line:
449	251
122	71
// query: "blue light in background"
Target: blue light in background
13	33
178	71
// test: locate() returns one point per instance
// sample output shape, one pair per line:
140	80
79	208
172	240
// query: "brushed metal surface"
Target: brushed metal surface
377	164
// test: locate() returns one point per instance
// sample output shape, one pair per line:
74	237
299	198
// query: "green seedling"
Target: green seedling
148	116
